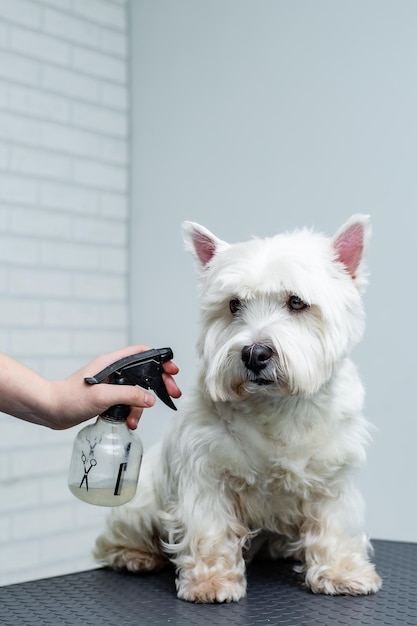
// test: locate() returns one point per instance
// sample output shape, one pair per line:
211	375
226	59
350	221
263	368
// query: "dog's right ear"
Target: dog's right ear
350	243
202	244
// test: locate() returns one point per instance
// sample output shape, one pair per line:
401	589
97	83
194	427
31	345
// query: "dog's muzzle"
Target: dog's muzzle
256	357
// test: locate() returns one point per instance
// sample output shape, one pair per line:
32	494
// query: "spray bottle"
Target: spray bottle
107	455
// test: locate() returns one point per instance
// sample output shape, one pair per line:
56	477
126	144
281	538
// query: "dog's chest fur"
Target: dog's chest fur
257	455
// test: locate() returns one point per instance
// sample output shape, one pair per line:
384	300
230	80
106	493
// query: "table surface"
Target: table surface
275	596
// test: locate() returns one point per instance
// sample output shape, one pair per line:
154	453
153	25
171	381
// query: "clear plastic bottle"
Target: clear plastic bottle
105	462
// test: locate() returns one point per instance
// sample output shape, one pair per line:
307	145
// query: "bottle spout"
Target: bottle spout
144	369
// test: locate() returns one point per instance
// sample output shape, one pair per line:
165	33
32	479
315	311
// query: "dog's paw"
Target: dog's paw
123	557
211	587
137	561
353	582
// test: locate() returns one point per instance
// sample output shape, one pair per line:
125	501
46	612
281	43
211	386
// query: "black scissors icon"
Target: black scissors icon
93	462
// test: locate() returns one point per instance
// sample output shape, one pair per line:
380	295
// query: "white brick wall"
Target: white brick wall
63	250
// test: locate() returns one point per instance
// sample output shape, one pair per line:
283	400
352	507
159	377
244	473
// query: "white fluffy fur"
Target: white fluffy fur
253	467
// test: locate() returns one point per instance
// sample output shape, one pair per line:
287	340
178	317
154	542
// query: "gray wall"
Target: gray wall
254	117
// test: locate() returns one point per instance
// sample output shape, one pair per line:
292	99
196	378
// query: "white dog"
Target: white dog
262	459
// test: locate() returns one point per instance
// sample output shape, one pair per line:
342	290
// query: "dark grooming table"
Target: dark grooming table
275	596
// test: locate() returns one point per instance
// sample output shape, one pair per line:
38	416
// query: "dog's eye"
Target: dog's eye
235	306
296	304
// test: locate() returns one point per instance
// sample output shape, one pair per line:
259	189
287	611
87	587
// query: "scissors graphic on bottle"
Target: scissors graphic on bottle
93	463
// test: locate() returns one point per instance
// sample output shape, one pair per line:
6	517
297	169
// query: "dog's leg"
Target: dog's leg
336	560
213	571
207	551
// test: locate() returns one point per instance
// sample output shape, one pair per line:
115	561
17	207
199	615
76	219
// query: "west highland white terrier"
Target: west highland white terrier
263	456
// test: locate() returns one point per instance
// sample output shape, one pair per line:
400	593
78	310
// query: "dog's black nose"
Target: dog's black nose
256	357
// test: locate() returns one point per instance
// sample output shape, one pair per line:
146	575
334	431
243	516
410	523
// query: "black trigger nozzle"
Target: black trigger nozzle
144	369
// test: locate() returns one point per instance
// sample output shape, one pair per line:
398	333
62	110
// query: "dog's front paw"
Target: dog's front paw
358	581
211	585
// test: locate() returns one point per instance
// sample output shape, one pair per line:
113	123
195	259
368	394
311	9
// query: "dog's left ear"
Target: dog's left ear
202	244
350	243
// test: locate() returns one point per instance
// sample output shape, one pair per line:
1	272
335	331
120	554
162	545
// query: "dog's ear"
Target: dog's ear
202	244
350	243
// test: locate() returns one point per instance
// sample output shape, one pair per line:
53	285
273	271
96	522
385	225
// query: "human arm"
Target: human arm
64	403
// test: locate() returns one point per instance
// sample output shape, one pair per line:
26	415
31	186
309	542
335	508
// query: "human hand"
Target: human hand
73	401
